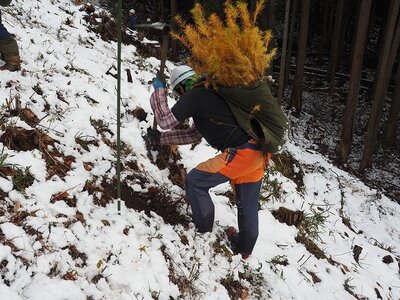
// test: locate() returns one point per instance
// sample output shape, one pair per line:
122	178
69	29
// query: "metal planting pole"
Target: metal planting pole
118	168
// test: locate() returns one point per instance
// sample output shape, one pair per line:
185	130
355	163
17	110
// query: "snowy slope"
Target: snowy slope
58	242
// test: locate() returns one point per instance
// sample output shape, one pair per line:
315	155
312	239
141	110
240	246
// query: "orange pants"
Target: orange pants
244	167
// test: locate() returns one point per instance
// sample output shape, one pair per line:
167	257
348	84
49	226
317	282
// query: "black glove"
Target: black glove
154	136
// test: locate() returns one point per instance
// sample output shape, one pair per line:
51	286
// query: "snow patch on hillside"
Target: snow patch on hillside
58	242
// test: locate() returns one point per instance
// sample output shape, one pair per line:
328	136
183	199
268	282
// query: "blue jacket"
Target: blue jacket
131	21
4	34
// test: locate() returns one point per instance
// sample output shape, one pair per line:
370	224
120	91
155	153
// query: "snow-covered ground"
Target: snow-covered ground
57	243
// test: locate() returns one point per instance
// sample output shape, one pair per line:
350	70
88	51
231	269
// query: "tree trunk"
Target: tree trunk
290	43
335	46
296	96
271	12
380	25
350	13
381	82
270	24
282	70
389	136
324	27
331	22
355	78
162	10
156	12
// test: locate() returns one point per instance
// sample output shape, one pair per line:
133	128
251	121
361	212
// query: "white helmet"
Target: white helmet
179	74
132	11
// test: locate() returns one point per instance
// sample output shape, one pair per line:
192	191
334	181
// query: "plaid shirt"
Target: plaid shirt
166	119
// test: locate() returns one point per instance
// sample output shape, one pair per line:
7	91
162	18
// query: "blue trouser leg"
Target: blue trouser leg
4	34
247	204
197	184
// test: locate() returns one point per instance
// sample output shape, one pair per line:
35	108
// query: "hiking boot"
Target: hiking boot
12	64
233	236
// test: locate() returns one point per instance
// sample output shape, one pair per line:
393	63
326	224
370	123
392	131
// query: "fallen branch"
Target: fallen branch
345	220
111	74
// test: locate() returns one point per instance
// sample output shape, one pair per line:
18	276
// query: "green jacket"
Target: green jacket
5	2
268	123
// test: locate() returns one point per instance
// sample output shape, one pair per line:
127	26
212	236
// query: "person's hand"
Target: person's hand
154	136
158	83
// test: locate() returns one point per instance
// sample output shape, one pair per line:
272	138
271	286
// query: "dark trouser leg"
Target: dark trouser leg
247	195
197	184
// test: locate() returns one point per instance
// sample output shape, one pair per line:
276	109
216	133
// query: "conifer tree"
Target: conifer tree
231	52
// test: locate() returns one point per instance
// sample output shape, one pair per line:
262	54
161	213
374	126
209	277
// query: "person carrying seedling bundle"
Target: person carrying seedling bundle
232	108
8	46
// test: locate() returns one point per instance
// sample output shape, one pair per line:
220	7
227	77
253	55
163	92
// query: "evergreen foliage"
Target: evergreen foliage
232	52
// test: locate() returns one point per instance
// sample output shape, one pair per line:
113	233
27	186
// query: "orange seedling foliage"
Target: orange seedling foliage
231	52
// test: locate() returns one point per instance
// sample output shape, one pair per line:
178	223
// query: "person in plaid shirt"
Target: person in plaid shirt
241	161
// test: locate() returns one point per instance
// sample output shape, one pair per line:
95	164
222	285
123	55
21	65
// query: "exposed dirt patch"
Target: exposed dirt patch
101	127
21	139
70	275
290	217
139	113
85	142
103	130
157	200
102	194
168	157
310	246
7	242
76	254
21	178
357	252
286	164
314	277
97	278
235	289
2	197
100	23
77	218
25	114
7	171
20	216
64	196
177	174
33	232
